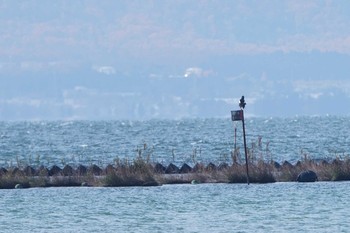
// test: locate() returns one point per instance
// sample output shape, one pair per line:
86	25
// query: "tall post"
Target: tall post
245	149
242	105
239	116
235	146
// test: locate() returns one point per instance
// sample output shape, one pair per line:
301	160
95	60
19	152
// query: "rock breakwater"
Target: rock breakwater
142	173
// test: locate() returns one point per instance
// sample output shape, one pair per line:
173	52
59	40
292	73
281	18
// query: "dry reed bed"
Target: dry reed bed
141	173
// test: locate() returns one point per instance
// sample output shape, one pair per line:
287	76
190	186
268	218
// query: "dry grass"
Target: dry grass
138	173
141	172
258	173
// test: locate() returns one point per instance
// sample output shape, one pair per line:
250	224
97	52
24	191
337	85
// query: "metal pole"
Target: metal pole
235	138
245	149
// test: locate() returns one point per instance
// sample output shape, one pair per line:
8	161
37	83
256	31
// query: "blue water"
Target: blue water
278	207
178	141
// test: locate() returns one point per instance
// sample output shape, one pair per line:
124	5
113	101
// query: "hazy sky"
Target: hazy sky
170	59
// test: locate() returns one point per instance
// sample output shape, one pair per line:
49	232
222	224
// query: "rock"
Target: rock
3	171
95	170
16	172
276	165
298	164
81	170
198	167
185	168
29	171
307	176
287	165
42	171
159	168
67	170
55	171
172	169
211	167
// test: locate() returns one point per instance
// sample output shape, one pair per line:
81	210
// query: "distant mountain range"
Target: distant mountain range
132	59
274	85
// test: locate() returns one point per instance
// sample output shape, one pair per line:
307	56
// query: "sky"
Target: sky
146	59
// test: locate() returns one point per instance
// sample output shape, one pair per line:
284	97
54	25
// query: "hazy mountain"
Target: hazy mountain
172	59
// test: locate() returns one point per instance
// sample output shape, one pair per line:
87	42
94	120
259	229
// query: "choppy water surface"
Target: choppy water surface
279	207
178	141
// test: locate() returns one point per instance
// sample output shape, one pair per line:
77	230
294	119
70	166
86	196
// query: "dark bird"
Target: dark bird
242	102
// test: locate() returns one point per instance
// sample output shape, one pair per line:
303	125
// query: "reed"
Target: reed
339	170
142	172
9	182
258	173
138	173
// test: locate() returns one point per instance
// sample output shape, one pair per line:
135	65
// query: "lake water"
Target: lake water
178	141
278	207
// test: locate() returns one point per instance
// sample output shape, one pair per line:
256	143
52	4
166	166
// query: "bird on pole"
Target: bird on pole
242	103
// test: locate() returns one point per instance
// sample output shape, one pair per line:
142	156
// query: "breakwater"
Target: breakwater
142	173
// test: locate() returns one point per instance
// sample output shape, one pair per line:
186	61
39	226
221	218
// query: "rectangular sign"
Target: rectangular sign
237	115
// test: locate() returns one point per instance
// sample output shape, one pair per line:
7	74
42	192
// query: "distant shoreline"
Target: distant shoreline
142	173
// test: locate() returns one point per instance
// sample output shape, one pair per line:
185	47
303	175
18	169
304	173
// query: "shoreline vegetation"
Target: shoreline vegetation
140	172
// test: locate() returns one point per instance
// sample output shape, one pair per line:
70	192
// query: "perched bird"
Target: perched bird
242	102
